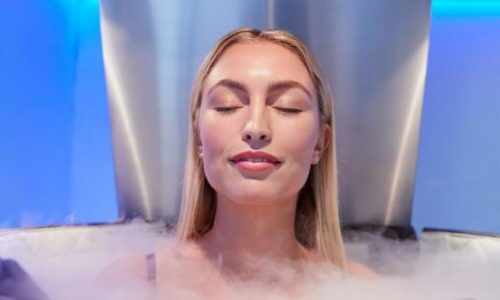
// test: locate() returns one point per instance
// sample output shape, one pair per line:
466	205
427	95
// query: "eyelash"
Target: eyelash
227	110
287	111
281	110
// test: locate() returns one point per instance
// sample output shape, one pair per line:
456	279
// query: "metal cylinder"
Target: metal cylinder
373	52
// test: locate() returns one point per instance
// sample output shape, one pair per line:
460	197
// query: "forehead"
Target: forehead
260	60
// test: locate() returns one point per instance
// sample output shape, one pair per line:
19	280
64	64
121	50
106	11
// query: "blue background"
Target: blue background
55	143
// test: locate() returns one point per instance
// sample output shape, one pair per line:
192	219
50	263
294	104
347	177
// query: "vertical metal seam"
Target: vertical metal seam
270	14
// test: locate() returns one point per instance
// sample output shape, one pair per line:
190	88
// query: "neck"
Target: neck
242	233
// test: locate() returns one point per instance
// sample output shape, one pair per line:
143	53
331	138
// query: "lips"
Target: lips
255	157
255	161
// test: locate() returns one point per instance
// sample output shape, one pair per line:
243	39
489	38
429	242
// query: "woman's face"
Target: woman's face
259	98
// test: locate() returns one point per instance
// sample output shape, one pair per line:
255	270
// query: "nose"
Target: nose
255	136
257	128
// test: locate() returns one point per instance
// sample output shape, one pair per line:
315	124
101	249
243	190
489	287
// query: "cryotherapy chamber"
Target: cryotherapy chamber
374	55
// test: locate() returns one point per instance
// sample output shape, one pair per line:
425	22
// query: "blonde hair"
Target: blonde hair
317	224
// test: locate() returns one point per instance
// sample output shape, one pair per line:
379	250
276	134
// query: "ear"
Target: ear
197	139
200	151
196	134
324	141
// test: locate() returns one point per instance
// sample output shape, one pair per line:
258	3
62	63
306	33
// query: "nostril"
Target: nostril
260	137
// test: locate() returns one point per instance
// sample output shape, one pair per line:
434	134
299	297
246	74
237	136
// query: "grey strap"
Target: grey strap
151	268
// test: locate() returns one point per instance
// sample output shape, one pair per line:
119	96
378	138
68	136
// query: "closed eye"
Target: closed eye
288	111
227	110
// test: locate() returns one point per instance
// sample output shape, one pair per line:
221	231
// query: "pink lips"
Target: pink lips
255	161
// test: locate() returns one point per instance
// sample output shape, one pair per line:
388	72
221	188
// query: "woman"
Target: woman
260	175
262	91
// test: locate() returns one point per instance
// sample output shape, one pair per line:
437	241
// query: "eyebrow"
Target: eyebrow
273	86
287	84
231	84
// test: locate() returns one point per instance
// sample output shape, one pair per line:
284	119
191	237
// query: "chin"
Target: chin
255	198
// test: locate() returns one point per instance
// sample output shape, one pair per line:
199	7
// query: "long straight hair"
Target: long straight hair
317	224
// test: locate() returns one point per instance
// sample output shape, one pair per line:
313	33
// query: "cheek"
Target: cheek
216	138
300	140
210	140
297	143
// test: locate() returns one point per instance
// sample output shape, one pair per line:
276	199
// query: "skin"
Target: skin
256	210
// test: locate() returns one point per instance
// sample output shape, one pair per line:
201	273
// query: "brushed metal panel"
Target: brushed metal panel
375	55
152	50
373	52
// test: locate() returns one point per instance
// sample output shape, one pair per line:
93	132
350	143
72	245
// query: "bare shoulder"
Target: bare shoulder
359	270
127	268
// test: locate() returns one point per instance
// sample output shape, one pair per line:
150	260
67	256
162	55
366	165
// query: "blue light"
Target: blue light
79	2
458	8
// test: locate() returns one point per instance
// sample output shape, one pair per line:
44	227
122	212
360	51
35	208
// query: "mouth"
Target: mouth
255	161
